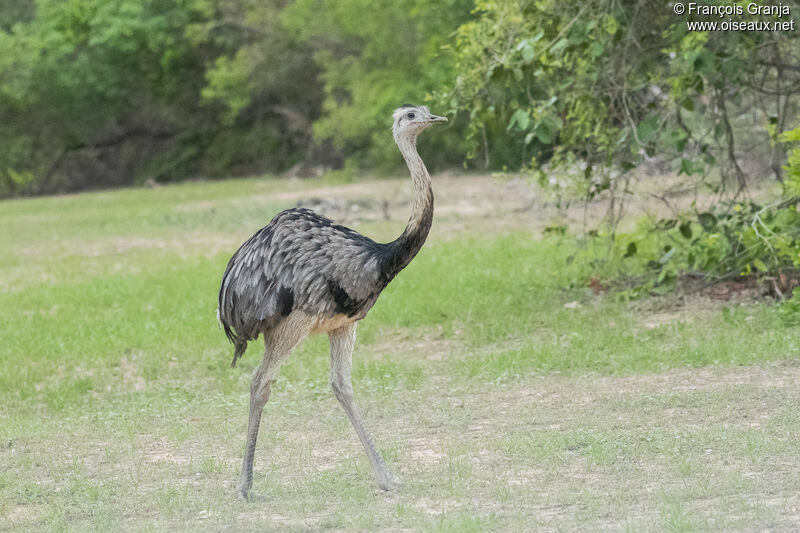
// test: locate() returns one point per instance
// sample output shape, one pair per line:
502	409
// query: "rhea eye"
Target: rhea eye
411	115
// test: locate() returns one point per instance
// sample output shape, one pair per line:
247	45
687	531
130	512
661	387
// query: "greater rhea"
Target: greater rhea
303	274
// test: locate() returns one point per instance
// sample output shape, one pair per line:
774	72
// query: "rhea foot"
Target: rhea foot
389	483
250	496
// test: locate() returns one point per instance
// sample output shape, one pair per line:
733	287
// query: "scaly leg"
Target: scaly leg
279	344
342	341
259	394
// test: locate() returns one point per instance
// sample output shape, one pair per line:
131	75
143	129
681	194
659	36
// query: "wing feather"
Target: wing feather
322	267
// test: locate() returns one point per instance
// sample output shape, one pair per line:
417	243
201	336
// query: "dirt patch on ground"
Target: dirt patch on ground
430	349
587	389
162	450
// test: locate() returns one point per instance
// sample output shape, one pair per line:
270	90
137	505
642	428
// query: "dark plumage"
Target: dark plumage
303	274
301	260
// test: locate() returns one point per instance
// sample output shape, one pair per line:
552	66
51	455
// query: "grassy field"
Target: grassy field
499	406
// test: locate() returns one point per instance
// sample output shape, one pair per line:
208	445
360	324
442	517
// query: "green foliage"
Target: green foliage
96	93
551	92
101	93
791	186
743	241
604	85
610	83
227	83
85	75
733	240
374	57
790	309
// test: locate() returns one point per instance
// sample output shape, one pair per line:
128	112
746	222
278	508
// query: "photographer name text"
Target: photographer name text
737	10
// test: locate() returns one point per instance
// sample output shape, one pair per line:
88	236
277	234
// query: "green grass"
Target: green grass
500	407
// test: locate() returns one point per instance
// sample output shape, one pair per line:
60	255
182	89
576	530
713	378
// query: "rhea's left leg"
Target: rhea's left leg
259	395
279	343
342	341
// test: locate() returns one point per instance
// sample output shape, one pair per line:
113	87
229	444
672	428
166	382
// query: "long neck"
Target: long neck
405	247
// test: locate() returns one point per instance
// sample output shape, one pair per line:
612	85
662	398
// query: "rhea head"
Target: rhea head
410	120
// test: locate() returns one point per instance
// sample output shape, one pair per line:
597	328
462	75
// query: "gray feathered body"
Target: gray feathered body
304	266
304	261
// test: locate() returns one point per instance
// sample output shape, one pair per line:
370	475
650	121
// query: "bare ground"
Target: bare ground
711	448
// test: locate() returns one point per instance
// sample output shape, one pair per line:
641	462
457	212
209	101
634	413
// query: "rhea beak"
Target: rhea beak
437	120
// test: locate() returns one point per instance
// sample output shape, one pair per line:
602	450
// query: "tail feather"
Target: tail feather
239	348
237	337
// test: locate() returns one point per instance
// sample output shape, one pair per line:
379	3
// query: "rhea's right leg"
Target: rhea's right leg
259	394
342	341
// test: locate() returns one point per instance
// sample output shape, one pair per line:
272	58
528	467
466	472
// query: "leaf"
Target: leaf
543	135
547	128
686	167
686	230
707	220
661	290
553	122
669	224
612	25
631	250
647	129
680	137
561	44
528	53
759	264
520	118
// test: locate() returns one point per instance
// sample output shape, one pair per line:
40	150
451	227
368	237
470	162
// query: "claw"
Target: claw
390	484
250	496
